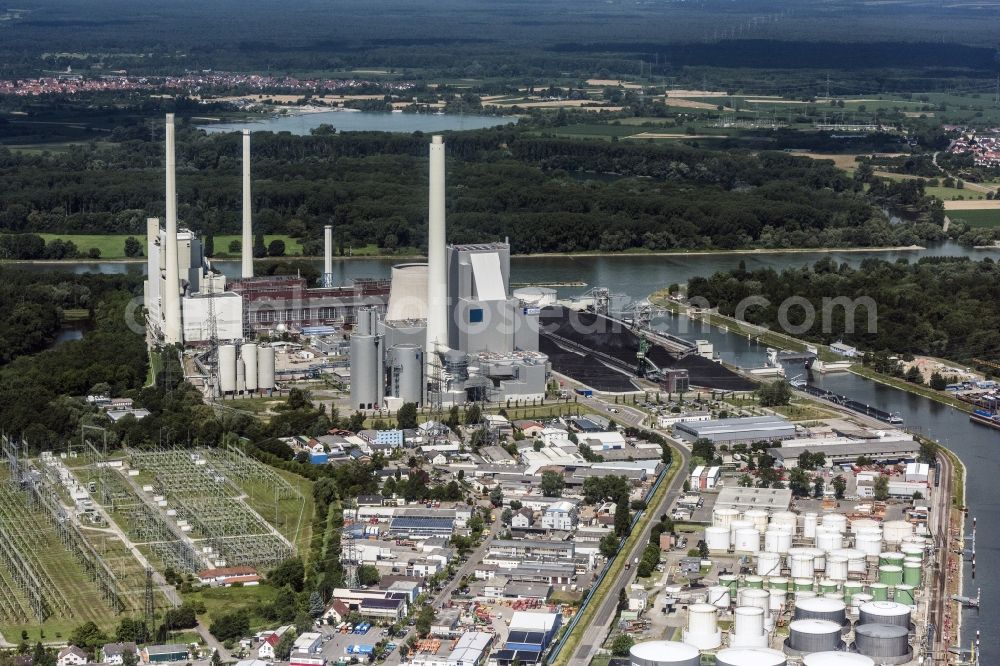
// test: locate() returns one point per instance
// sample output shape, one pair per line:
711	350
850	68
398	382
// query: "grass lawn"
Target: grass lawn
222	241
112	246
977	218
223	600
802	411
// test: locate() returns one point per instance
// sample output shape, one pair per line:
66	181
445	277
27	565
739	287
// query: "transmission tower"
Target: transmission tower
213	345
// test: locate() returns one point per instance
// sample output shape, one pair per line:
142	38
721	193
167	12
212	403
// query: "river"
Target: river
363	121
637	276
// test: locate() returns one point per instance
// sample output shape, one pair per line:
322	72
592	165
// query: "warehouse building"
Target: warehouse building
883	451
737	431
773	499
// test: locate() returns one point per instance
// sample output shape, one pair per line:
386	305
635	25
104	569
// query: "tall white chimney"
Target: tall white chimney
437	271
328	256
172	332
247	247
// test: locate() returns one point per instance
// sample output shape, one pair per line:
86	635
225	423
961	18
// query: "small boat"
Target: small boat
895	419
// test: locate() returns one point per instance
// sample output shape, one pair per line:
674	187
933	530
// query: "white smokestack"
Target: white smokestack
437	272
171	298
327	255
247	249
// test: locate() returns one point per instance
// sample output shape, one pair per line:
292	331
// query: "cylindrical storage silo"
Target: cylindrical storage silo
748	628
836	521
851	588
778	583
903	594
738	524
806	636
859	600
912	550
801	565
731	582
885	643
718	596
724	517
757	598
786	519
768	564
895	531
890	574
717	538
265	368
747	540
241	376
750	657
889	557
884	612
836	596
227	368
836	659
664	653
248	351
857	561
777	540
820	608
406	373
809	522
754	582
367	377
870	543
778	599
864	524
758	517
703	629
911	573
837	567
879	591
828	539
803	584
827	585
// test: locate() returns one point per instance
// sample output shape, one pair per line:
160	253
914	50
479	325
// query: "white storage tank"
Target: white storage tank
778	599
738	525
886	643
747	540
718	596
248	351
717	538
864	524
884	612
828	539
801	565
703	627
786	519
777	540
227	368
896	531
836	567
265	368
241	376
724	517
859	600
809	522
664	653
805	636
835	521
870	543
750	657
836	659
821	608
758	517
756	598
748	628
768	563
406	373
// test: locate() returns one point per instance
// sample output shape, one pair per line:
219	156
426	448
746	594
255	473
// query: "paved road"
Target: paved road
940	520
623	414
595	633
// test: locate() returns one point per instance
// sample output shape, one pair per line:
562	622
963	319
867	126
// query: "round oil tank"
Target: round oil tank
911	573
778	599
884	612
758	517
820	608
778	583
538	297
768	564
227	368
719	596
241	376
836	521
809	522
890	574
828	585
886	643
911	550
870	543
754	582
265	368
748	628
836	659
717	538
863	524
777	540
724	516
807	636
757	598
903	594
836	567
737	525
759	656
786	519
879	591
857	561
664	653
860	599
803	584
851	588
801	565
703	629
729	581
249	354
747	540
891	557
895	531
407	373
828	539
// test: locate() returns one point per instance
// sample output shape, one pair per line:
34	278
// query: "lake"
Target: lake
363	121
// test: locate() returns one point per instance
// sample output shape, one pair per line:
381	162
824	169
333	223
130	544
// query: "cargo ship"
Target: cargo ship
986	417
860	407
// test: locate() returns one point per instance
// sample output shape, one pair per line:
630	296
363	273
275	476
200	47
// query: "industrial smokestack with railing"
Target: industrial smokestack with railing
437	270
246	250
327	256
172	331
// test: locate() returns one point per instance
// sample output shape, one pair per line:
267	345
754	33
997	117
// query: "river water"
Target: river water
363	121
638	276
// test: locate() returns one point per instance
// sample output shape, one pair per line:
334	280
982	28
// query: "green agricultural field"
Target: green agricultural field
977	218
950	193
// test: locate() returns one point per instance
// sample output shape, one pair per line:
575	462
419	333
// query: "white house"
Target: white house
114	653
637	600
667	420
560	516
521	519
554	436
72	656
840	349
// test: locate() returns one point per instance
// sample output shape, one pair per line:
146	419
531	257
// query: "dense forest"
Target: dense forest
941	306
546	194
